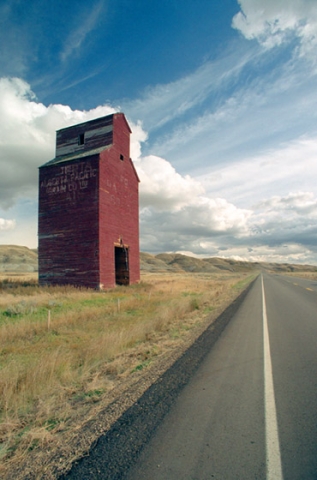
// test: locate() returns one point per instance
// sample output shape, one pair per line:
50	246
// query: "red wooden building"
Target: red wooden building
89	207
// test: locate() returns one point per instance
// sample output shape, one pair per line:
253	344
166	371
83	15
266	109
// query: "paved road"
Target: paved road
250	411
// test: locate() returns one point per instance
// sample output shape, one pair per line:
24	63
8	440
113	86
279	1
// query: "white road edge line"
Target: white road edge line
273	454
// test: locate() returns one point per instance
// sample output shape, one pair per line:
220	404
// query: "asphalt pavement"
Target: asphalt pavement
217	428
242	406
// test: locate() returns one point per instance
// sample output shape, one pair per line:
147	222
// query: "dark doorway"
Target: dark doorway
121	255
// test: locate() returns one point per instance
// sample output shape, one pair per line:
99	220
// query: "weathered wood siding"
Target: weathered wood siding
96	133
68	223
88	205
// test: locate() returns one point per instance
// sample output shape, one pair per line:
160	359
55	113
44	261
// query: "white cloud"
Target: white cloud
243	209
291	253
176	204
275	172
300	203
253	118
287	219
176	213
7	224
177	208
138	136
204	216
86	23
27	137
271	22
277	229
162	187
161	104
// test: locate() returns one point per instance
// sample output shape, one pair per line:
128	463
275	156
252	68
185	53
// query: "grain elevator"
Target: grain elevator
89	207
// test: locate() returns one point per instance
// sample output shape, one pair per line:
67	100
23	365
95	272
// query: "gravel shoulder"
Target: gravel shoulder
117	449
105	443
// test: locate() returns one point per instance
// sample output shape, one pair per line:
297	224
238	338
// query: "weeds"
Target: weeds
63	348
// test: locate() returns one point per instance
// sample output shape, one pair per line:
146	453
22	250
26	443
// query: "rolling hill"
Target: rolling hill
16	259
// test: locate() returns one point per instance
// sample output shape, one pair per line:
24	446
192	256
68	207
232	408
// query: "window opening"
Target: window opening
121	157
81	139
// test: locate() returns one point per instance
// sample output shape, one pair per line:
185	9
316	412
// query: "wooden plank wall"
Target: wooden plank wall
97	133
68	223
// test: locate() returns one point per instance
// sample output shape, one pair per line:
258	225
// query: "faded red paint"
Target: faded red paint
88	205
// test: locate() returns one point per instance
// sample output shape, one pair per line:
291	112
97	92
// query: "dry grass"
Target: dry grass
63	349
302	274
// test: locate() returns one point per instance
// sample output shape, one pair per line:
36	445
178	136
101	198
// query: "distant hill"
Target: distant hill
14	258
182	263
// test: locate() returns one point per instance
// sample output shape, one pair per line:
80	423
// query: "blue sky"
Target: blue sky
221	97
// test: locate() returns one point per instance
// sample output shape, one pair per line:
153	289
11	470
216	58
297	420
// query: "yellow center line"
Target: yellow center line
310	289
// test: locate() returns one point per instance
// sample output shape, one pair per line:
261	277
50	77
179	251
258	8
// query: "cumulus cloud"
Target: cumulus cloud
278	229
290	253
6	224
204	217
220	214
300	203
288	218
272	22
175	202
27	136
162	187
27	140
138	136
177	214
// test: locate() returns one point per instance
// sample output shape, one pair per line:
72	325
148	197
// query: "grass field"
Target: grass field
63	350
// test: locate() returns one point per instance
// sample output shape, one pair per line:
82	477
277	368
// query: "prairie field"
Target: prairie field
303	274
65	352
